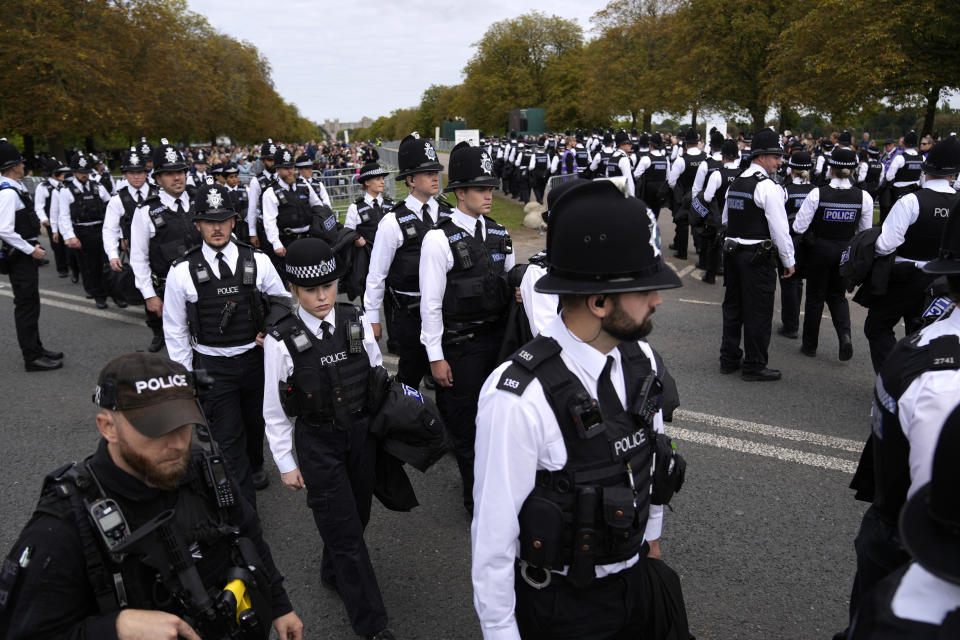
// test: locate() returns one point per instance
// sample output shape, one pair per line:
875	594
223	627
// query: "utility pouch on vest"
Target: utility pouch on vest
226	314
582	571
541	526
762	251
288	399
619	509
730	246
669	470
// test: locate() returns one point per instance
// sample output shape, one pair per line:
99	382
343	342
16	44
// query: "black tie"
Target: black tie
225	271
179	206
139	197
610	404
327	329
426	214
376	207
478	232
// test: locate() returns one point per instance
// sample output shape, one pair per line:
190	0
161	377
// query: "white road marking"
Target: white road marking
671	265
715	304
765	450
831	442
100	313
687	269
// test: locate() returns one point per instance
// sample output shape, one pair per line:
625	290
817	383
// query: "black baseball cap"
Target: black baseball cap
154	393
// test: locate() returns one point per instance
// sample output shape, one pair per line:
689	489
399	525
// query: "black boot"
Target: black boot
846	346
157	343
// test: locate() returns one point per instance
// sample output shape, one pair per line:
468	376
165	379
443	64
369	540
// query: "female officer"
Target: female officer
835	212
791	290
317	361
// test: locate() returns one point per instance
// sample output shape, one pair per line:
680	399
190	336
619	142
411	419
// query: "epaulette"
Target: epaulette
186	255
525	360
284	327
539	258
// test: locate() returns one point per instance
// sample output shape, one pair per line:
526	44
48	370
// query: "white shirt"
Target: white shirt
516	436
353	218
925	405
278	366
626	170
541	308
66	199
769	196
679	166
389	238
436	261
111	222
253	200
321	191
645	162
10	203
904	213
701	175
271	207
924	597
896	164
715	181
46	190
595	163
812	201
141	230
180	290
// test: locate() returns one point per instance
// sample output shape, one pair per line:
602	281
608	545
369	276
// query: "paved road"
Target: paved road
761	534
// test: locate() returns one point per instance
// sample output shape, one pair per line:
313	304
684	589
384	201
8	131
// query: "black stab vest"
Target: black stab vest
211	321
129	206
478	292
174	234
404	273
796	194
744	218
922	240
369	218
910	171
657	171
838	213
293	208
86	206
691	165
25	221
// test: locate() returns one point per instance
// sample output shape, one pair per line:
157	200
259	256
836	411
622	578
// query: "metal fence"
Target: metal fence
557	180
444	146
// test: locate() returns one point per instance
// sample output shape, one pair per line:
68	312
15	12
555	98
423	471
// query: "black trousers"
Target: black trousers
470	362
25	282
235	400
92	259
682	238
538	183
879	553
649	195
749	288
824	284
791	293
403	329
709	250
523	188
59	252
904	299
337	465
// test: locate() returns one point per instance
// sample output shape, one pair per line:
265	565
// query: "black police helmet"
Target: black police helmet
470	167
845	139
167	158
621	138
644	139
9	155
283	158
213	202
133	161
766	141
81	164
716	139
310	262
800	160
930	520
910	139
691	136
943	160
948	263
729	149
145	149
600	241
843	159
268	148
371	170
416	155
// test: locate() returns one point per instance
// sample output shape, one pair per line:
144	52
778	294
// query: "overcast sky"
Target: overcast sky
352	59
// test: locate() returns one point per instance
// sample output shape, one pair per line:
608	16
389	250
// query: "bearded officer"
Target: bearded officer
564	520
915	391
912	231
464	299
757	233
213	319
394	276
160	502
161	232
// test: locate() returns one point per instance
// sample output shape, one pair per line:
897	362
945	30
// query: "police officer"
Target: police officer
198	177
712	163
82	210
19	229
393	282
903	174
119	215
796	189
217	172
71	257
915	392
101	174
870	172
619	162
821	170
920	601
681	176
257	187
161	232
305	170
365	213
213	316
46	193
463	265
238	200
651	173
757	231
912	231
565	520
539	169
335	452
95	559
521	176
600	159
833	213
709	206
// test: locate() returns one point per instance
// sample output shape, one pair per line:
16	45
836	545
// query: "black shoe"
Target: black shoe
101	303
810	352
763	375
53	355
386	634
729	368
43	364
156	344
846	348
260	479
709	278
74	278
673	245
679	256
62	274
121	303
44	262
787	334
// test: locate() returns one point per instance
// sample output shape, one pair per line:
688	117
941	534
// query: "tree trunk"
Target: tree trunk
693	118
88	144
28	152
633	119
647	120
56	148
758	114
931	111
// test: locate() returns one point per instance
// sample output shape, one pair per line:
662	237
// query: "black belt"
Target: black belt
538	578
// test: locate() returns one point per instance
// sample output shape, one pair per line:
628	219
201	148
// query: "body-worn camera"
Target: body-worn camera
586	415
